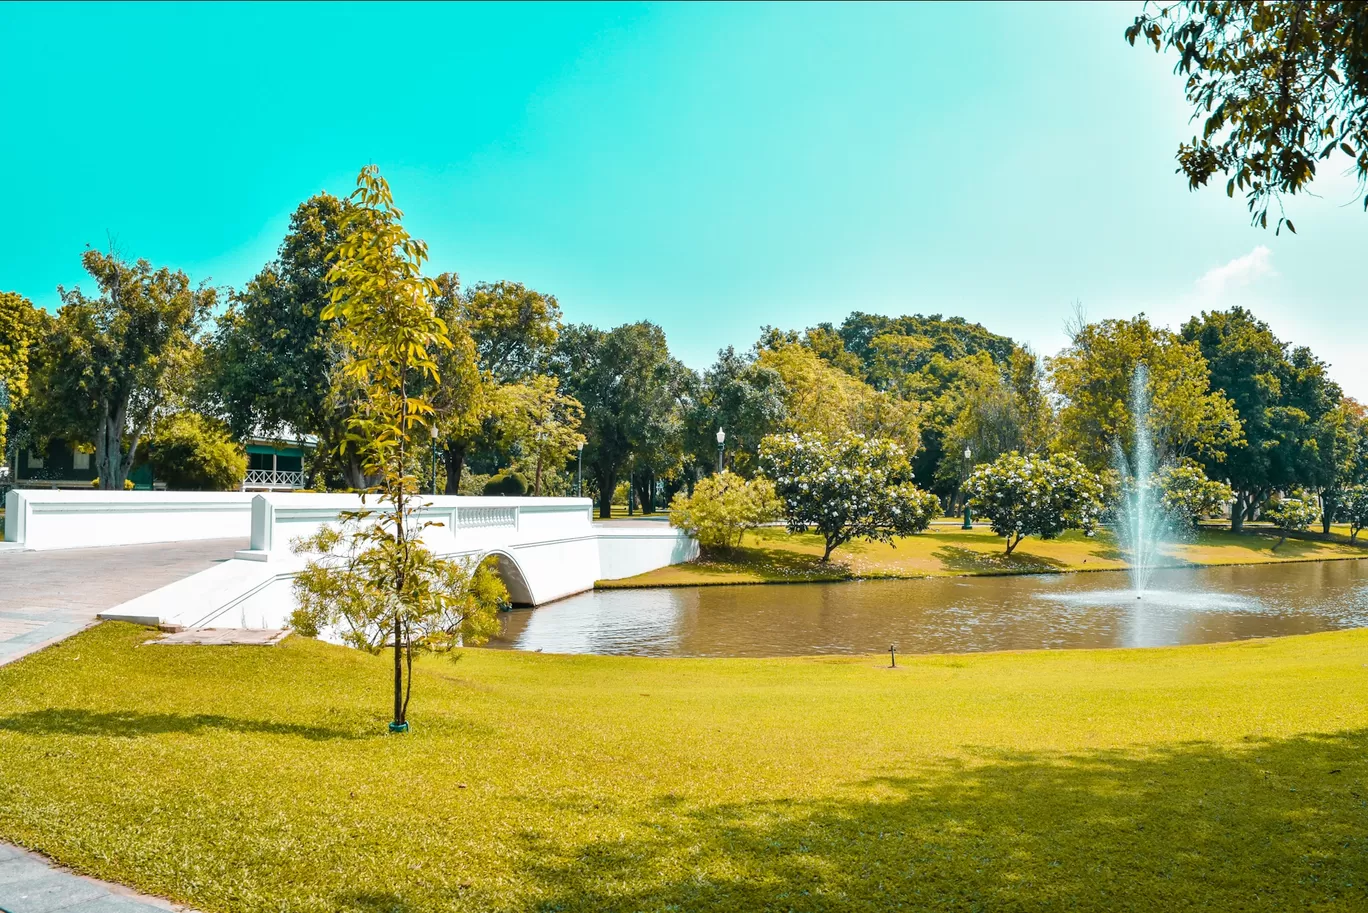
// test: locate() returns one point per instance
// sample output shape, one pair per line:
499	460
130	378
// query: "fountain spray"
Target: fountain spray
1142	524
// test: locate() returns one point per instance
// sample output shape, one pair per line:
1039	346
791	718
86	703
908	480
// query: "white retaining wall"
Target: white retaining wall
84	519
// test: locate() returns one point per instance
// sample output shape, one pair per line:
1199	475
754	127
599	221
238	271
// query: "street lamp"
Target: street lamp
721	440
579	470
433	429
968	517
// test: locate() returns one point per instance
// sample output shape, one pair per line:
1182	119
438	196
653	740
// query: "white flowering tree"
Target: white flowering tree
1291	514
1188	495
1035	496
1353	509
846	488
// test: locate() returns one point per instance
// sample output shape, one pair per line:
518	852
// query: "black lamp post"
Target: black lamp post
968	517
721	441
433	429
579	470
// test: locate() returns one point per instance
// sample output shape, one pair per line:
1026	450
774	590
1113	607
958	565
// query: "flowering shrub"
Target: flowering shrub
1353	509
1291	514
1035	496
722	507
846	487
1188	495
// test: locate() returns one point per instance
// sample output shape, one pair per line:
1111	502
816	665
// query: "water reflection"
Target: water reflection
951	615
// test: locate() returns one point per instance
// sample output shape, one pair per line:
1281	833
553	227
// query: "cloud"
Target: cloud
1238	272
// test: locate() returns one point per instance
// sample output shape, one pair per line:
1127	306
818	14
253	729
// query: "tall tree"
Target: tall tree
274	366
632	393
741	397
1282	399
112	361
543	423
21	327
1093	376
1277	85
514	328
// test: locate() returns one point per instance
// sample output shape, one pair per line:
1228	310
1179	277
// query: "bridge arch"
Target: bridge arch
509	571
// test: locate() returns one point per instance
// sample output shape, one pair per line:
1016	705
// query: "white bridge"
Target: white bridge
542	548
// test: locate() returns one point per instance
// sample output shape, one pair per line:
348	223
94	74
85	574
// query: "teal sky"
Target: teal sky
711	168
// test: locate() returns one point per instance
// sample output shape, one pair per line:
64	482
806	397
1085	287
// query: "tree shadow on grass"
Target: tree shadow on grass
1272	825
129	724
970	561
769	564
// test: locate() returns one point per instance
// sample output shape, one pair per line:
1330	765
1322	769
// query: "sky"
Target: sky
712	168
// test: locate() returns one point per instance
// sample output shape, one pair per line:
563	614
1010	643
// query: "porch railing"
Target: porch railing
274	478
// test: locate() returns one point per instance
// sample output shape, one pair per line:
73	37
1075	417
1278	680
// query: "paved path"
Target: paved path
31	884
46	596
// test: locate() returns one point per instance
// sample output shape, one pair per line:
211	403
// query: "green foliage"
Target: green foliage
127	485
1291	514
514	328
846	487
723	507
1040	496
373	580
909	342
542	423
1283	400
190	452
1188	495
1353	509
506	483
743	398
1279	86
21	327
112	363
633	394
1093	376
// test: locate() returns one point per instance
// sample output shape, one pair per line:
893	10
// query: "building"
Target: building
276	463
64	465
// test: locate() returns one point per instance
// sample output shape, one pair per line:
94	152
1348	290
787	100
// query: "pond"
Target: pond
950	614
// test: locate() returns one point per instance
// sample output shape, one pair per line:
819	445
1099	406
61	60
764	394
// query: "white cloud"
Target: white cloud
1238	272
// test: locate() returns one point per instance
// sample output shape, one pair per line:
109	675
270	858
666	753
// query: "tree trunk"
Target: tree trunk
454	458
645	489
607	481
536	481
351	470
1237	514
826	555
1327	511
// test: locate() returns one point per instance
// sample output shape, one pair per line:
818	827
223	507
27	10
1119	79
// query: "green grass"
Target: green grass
773	555
1229	777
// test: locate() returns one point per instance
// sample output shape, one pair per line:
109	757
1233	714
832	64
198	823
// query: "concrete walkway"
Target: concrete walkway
31	884
46	596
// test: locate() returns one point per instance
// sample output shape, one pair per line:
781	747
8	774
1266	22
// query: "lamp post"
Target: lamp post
579	470
433	429
968	517
721	440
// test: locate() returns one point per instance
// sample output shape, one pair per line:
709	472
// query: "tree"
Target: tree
1353	509
21	327
544	423
1282	400
1279	86
1035	496
723	507
846	487
1188	495
111	362
514	328
1341	455
190	452
1290	514
632	392
374	574
1187	418
743	398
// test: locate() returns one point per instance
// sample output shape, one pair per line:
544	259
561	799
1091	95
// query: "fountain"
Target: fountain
1142	524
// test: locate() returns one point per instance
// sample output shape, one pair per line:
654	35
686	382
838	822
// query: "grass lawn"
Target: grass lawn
772	555
248	779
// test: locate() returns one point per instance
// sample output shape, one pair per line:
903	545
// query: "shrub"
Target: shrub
192	453
506	483
1035	496
722	507
1291	514
846	487
128	484
1353	508
1188	495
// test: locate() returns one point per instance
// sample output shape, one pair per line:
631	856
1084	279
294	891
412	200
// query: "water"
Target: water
1142	525
951	615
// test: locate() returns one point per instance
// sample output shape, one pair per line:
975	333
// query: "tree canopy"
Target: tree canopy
1278	86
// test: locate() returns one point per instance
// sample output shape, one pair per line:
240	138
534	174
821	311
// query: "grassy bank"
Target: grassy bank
252	779
773	555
